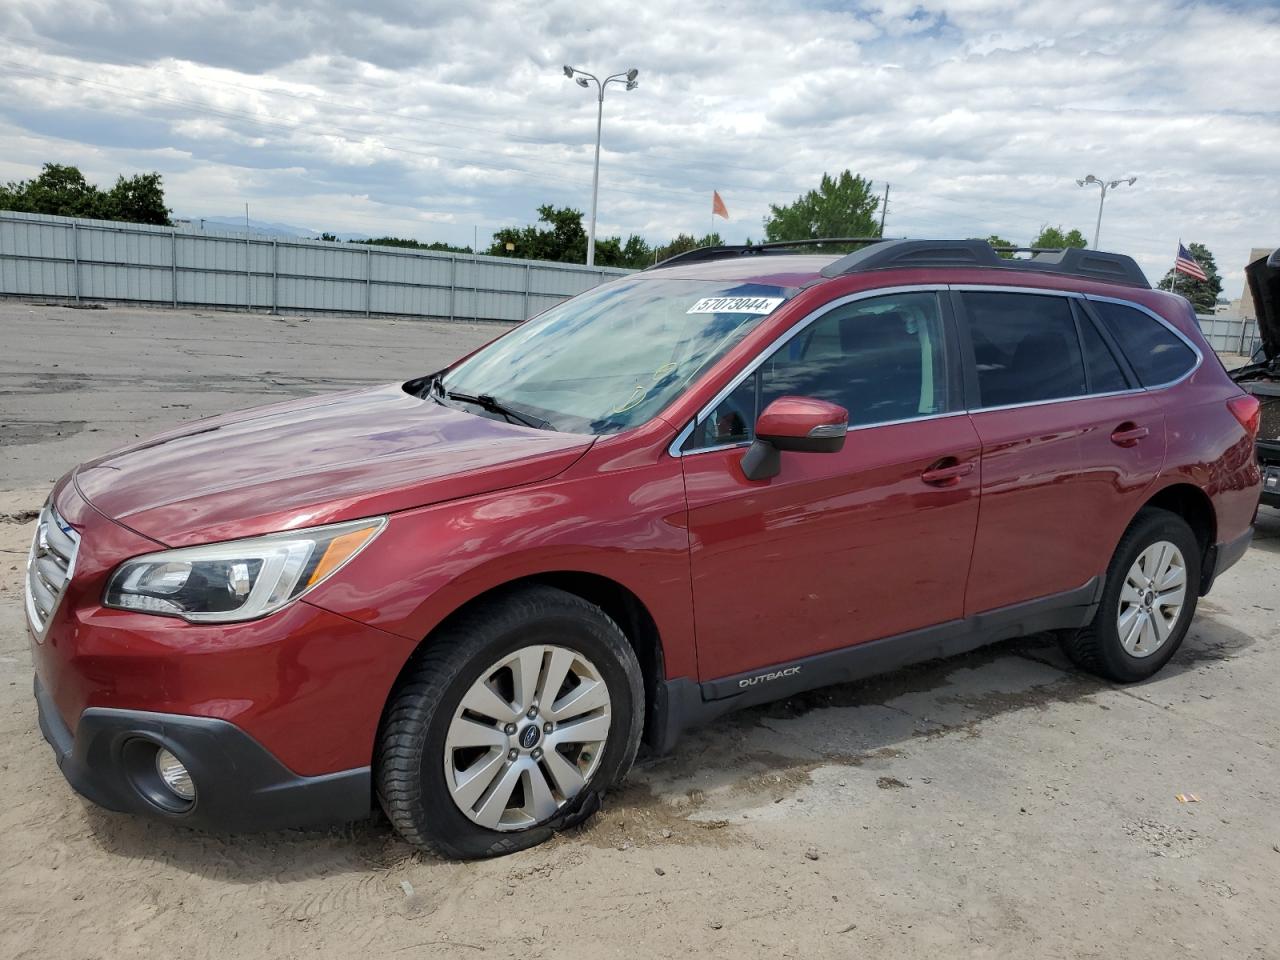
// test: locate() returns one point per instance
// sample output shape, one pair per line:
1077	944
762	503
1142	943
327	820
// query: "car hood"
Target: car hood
1264	285
313	461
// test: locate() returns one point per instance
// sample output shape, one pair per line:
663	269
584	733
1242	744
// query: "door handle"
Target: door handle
1128	434
947	472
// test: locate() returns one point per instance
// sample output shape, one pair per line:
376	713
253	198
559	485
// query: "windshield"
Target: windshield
613	357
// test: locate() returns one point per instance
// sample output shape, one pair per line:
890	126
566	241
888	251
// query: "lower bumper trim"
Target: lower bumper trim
240	786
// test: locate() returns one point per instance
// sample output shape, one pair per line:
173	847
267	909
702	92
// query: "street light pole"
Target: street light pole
1105	185
584	79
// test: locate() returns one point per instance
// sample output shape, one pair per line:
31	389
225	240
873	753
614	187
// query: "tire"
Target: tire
1141	647
431	743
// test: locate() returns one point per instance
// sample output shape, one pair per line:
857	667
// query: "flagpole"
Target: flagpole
1173	284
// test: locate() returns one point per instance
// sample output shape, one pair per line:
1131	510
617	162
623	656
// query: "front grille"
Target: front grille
49	567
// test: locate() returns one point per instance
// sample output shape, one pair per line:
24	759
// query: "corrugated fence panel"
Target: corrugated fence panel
1229	334
35	277
62	257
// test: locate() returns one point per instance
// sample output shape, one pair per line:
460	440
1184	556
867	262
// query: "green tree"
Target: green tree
62	191
138	199
997	241
563	240
328	237
1054	238
413	244
636	253
58	190
842	206
684	242
1203	294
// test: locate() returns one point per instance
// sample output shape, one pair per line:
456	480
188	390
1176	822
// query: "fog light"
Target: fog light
174	774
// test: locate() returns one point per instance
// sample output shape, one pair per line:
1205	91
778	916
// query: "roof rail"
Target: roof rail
878	253
1070	261
757	249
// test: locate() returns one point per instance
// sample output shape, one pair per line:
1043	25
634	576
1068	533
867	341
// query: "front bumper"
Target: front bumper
240	786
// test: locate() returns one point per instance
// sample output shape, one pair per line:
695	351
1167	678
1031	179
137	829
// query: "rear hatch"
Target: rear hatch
1262	376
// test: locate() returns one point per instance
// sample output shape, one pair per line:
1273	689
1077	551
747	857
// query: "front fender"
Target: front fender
626	525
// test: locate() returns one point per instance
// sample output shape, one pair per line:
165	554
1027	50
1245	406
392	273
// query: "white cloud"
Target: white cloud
431	118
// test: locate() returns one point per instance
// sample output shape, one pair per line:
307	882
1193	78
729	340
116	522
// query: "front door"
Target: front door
839	548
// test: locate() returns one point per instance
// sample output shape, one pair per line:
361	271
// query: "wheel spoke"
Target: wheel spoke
557	669
473	781
539	803
1174	576
586	696
1129	593
465	732
1156	567
526	668
495	802
482	700
1149	639
1139	570
1129	625
567	777
590	730
1159	626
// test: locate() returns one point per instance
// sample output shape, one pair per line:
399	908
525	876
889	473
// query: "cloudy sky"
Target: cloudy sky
434	118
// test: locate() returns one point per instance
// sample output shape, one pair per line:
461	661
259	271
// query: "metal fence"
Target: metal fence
74	259
1229	334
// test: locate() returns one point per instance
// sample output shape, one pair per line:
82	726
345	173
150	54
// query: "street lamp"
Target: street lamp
1105	185
584	79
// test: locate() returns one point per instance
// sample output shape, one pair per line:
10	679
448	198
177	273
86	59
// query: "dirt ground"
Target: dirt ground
993	805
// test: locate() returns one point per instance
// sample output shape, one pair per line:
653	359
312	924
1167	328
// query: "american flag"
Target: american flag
1187	264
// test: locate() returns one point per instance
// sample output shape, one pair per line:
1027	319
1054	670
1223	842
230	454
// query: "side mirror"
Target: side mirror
800	424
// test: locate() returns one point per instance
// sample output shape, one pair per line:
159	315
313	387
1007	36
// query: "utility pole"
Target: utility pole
884	208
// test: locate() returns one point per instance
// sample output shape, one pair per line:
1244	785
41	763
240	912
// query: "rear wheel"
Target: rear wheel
510	725
1148	601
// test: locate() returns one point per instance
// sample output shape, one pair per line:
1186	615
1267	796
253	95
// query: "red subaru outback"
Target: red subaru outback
745	473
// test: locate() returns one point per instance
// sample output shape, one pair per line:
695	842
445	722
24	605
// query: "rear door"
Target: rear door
845	547
1070	443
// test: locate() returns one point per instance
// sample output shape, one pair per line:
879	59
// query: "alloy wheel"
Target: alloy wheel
1151	600
526	737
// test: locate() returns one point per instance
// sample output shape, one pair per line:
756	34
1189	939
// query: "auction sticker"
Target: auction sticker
736	305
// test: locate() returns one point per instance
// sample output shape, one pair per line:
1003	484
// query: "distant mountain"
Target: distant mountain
236	225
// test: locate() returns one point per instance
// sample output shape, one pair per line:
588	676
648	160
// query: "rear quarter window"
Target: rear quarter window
1155	352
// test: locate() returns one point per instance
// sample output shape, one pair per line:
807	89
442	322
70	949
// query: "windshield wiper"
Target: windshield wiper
487	402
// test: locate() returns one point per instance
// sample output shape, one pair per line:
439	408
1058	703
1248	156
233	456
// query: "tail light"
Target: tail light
1248	410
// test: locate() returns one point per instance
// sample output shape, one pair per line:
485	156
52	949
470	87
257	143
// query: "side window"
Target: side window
1105	375
1025	347
882	359
1156	354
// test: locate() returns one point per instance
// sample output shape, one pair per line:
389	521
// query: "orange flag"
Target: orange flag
718	209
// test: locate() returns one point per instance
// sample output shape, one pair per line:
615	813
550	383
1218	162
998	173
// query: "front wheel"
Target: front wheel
510	725
1148	601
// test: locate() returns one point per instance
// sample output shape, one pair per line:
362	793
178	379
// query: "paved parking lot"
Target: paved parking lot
997	804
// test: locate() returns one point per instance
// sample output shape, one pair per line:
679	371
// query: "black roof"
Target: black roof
881	254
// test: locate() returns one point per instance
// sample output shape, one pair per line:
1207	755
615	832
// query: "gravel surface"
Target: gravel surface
997	804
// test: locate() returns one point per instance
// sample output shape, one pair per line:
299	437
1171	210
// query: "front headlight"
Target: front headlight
239	579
